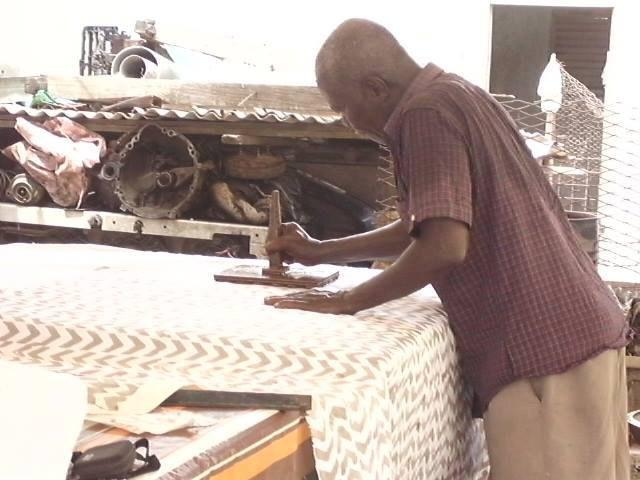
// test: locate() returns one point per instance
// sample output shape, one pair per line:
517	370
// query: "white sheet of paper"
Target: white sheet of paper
40	419
158	422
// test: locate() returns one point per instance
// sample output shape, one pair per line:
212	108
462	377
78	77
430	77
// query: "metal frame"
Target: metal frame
123	223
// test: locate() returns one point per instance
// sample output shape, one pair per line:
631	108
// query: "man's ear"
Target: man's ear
376	87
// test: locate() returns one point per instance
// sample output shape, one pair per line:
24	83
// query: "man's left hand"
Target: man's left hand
321	301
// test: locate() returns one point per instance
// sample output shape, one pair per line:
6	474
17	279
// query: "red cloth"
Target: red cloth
527	301
57	154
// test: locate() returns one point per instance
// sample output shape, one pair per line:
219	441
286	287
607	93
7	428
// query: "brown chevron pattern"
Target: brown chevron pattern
389	402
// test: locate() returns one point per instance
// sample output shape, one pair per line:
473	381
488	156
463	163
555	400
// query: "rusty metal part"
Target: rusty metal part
123	223
6	178
253	140
254	165
25	190
147	101
95	221
159	173
99	44
109	171
234	204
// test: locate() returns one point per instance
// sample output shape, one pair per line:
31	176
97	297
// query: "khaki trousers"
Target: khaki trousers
570	426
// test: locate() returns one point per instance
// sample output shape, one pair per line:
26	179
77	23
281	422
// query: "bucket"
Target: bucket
586	225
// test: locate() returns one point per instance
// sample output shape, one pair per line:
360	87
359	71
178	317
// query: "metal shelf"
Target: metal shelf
125	223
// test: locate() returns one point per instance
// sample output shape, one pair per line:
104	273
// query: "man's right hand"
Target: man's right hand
295	245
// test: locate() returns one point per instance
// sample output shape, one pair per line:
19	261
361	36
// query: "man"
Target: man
540	336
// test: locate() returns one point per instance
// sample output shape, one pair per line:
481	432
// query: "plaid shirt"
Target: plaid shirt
527	301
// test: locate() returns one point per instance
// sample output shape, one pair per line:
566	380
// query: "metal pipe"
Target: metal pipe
145	64
134	66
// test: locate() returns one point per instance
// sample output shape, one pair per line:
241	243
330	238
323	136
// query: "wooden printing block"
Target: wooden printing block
294	277
277	273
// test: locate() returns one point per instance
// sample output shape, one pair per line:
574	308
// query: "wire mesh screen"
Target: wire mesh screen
591	156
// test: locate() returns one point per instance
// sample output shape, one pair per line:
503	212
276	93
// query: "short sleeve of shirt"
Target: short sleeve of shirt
435	177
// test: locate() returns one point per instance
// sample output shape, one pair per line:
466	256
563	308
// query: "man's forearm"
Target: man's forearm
441	248
383	243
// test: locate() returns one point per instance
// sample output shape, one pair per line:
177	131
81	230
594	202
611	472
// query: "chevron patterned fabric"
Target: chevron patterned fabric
388	399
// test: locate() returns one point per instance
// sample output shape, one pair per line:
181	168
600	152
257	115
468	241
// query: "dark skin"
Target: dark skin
437	246
440	246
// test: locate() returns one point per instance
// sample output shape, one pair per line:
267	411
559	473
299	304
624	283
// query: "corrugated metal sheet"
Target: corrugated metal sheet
202	114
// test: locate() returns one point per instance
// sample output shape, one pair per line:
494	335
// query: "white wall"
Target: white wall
455	33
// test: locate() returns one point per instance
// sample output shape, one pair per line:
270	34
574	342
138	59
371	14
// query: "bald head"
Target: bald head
363	72
358	49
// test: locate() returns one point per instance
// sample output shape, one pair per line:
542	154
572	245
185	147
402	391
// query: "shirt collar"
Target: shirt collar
422	80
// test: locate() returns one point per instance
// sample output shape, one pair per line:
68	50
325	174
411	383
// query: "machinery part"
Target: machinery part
343	214
144	101
124	223
165	179
229	139
6	178
236	207
254	165
95	222
25	191
99	44
109	171
142	62
159	173
135	66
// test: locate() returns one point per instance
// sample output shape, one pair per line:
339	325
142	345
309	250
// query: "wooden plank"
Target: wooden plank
187	94
292	278
15	85
196	127
220	399
275	220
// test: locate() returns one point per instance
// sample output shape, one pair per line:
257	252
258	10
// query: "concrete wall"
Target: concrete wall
521	49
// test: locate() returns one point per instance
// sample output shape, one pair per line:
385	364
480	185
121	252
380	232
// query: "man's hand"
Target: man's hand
295	245
440	245
322	301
